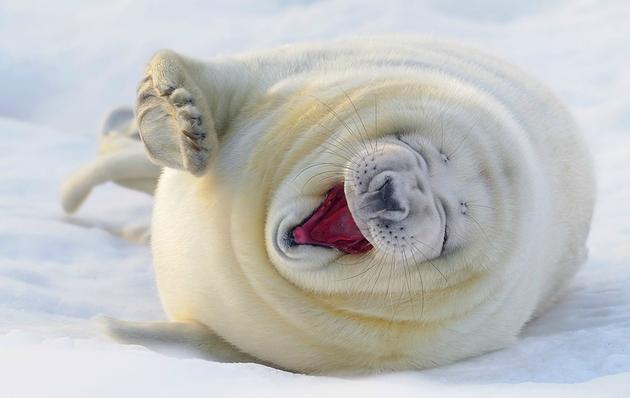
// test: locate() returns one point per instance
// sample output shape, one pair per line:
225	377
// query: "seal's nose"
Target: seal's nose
385	200
388	197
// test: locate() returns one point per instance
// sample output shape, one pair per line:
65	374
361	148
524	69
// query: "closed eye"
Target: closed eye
445	239
446	230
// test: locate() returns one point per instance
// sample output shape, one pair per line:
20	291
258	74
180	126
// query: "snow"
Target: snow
65	65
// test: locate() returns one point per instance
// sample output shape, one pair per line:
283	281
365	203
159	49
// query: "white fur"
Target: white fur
283	126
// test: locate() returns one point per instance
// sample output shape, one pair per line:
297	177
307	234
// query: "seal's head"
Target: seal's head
399	192
388	189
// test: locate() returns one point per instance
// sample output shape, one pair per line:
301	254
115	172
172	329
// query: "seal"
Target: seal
121	159
360	205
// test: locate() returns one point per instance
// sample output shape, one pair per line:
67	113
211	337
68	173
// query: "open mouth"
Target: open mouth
331	225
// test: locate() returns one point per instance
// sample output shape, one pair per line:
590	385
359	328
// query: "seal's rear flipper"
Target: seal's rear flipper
121	121
129	168
174	338
121	159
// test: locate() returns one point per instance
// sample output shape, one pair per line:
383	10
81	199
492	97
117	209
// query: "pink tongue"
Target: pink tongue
332	225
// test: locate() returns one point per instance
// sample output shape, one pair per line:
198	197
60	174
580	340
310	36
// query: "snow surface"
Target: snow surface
65	63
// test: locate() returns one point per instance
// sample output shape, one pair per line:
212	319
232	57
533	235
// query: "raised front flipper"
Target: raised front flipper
173	115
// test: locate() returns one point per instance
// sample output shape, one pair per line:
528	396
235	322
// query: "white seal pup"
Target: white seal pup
361	205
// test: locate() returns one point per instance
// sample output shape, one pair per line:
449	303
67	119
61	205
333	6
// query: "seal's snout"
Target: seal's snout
388	201
383	183
391	196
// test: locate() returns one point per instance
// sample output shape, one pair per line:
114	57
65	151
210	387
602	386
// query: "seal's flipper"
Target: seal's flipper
128	167
121	159
173	116
120	121
179	338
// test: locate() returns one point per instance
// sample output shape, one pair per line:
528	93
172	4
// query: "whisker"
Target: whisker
378	276
371	265
461	143
360	120
358	258
483	206
451	154
333	174
393	307
442	129
376	121
425	244
427	259
337	154
320	164
336	115
483	231
342	145
407	282
419	272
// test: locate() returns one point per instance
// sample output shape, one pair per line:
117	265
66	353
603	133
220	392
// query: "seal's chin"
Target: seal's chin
331	225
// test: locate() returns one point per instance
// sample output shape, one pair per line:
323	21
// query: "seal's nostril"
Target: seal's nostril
387	196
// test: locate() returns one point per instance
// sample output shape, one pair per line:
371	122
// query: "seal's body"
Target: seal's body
389	203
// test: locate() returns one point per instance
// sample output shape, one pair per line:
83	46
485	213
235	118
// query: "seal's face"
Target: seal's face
397	196
404	196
